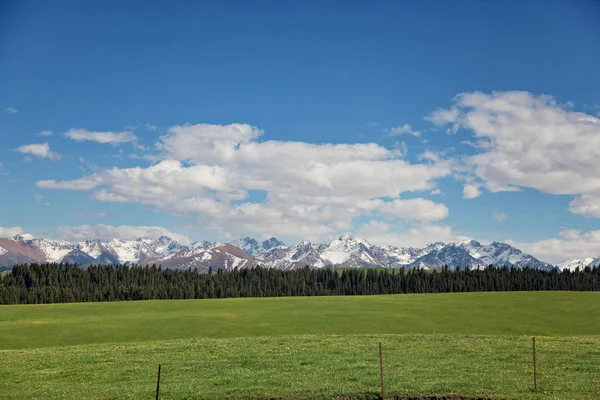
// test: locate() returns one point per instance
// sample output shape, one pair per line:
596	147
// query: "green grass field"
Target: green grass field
471	344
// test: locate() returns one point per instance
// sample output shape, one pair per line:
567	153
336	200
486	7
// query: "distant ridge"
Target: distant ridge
346	251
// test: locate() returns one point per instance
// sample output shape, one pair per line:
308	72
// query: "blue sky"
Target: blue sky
404	122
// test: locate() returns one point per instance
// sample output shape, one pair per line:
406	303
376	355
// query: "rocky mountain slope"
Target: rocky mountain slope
216	256
343	252
252	247
581	263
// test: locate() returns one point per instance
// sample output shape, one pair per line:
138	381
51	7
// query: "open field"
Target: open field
507	313
471	344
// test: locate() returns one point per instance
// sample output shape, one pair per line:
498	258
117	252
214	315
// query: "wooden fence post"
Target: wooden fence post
158	382
534	367
381	371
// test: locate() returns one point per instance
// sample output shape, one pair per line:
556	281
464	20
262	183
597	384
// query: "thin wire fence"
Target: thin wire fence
417	365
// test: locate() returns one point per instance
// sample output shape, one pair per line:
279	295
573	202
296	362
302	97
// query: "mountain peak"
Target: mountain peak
468	243
348	251
271	242
252	247
23	236
349	238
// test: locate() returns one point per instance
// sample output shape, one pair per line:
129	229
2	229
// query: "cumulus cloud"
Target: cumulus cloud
80	135
586	204
569	244
46	133
403	130
471	191
124	232
39	149
11	110
10	232
414	209
311	190
444	117
527	140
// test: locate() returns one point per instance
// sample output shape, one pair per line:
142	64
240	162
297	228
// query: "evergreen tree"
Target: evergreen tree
59	283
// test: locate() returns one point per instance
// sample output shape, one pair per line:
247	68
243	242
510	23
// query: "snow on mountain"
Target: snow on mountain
199	245
272	242
353	252
345	251
500	254
18	249
131	251
506	255
24	237
595	262
572	265
297	256
54	250
26	248
247	245
78	257
165	245
450	255
92	247
254	248
399	256
216	256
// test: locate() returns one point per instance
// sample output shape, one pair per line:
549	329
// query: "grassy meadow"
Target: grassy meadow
470	344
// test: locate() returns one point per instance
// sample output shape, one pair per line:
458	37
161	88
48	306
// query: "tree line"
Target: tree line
62	283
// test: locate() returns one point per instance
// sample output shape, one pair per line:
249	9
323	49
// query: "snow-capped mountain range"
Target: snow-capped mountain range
345	252
581	263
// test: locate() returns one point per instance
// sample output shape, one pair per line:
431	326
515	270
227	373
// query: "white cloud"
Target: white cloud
39	149
401	148
86	183
471	191
100	137
46	133
570	244
311	190
436	192
530	141
570	234
10	232
499	216
443	117
403	130
586	204
124	232
11	110
414	209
